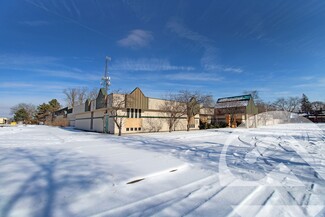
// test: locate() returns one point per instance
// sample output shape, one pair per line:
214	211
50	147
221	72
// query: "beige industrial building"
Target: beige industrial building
134	112
236	110
3	120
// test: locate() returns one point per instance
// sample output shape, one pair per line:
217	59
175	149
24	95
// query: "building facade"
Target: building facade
236	110
134	112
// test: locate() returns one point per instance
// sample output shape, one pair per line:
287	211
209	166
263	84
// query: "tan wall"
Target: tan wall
82	121
79	109
152	120
155	104
71	119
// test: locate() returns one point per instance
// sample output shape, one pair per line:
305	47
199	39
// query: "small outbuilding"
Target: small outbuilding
3	120
236	110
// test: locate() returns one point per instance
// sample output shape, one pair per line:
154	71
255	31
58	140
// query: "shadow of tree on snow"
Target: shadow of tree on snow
51	177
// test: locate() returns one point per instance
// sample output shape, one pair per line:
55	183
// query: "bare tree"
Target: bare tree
290	104
153	125
71	96
317	106
193	102
117	111
260	104
77	96
92	94
82	94
173	110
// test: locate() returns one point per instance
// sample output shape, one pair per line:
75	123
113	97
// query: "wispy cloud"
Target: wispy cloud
209	60
222	68
76	75
15	84
207	77
35	23
147	64
137	38
209	49
232	69
16	60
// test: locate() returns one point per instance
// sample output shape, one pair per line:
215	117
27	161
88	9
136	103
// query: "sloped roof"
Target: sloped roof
235	98
233	101
103	91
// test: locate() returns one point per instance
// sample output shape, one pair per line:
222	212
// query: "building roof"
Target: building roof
235	98
233	101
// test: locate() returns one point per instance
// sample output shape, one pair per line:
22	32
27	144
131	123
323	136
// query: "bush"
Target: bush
221	124
61	122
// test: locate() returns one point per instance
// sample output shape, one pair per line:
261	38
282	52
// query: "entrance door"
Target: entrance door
106	125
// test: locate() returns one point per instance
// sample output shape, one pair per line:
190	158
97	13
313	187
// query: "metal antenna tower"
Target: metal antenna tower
106	80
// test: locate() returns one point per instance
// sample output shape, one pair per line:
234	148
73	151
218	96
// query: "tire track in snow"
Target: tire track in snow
126	209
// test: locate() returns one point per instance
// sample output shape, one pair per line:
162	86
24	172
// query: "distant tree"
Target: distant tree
193	101
43	110
46	109
260	104
29	108
54	105
173	110
290	104
71	96
317	107
78	95
21	115
82	94
255	94
305	104
92	94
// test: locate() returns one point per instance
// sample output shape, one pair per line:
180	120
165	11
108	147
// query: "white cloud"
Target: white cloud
137	38
147	64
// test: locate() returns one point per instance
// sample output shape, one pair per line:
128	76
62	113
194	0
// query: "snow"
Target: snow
269	171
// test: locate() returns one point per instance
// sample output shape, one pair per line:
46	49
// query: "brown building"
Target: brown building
236	110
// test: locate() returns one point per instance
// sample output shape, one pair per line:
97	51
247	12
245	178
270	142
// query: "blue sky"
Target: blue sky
218	47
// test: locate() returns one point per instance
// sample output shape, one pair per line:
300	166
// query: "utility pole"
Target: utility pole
106	80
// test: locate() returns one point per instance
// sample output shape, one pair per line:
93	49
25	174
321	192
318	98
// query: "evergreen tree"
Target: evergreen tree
21	115
54	105
42	111
305	104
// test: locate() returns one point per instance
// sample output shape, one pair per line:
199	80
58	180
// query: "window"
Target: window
139	113
135	129
128	112
131	129
139	128
132	110
127	129
136	113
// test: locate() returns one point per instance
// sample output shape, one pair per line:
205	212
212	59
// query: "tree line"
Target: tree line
176	105
31	114
289	104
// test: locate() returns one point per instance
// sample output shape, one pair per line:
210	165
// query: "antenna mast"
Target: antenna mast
106	80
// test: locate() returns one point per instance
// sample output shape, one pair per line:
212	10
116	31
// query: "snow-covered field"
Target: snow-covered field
270	171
